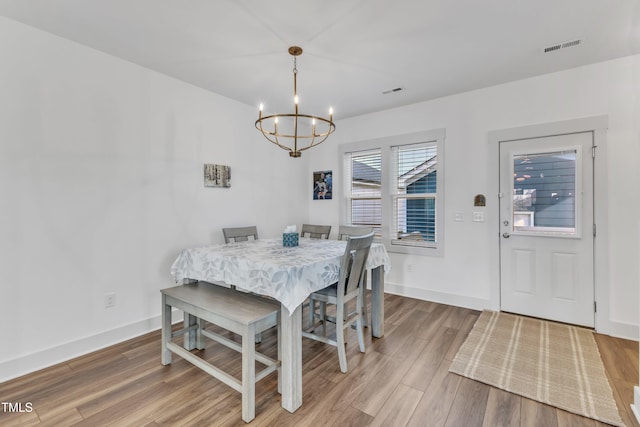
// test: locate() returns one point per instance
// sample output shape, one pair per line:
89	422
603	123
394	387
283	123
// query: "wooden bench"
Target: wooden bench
242	313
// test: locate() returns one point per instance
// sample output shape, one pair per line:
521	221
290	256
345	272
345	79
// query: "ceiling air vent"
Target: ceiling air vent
563	45
397	89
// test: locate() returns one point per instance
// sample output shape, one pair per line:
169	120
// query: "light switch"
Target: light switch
459	216
478	217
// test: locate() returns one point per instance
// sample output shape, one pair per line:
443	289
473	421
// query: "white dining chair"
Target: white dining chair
352	268
240	234
344	232
315	231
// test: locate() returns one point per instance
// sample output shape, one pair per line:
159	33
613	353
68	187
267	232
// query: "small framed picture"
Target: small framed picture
322	185
217	176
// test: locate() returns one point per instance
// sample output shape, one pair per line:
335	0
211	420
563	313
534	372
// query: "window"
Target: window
395	186
414	192
365	189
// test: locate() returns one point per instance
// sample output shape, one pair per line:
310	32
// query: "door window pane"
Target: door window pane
544	192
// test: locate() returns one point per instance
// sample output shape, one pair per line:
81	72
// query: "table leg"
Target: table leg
377	302
291	358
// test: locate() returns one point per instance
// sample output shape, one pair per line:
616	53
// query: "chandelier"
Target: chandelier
295	132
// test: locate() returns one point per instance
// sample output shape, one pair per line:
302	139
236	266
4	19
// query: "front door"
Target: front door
546	227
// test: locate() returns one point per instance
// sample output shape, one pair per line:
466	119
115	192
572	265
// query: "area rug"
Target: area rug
552	363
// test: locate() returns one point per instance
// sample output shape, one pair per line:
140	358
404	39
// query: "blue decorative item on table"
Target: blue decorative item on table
290	239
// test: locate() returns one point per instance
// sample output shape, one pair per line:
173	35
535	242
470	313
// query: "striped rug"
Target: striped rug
549	362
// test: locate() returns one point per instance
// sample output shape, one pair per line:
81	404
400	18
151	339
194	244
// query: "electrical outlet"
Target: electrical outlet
109	300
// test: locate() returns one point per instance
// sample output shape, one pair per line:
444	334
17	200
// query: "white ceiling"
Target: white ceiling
353	49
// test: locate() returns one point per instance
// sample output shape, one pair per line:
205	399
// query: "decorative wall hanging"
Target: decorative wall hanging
217	176
322	185
479	200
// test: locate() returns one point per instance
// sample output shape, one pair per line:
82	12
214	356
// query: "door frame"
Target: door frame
596	124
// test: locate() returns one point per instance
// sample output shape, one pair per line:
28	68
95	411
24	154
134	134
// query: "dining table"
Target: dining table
288	274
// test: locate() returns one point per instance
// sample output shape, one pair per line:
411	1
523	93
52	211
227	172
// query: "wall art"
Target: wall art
217	176
322	185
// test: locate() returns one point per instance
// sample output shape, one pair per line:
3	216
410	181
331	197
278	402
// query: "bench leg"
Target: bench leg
199	336
189	337
166	331
249	374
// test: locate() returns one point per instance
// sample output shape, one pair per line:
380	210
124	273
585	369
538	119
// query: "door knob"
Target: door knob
506	235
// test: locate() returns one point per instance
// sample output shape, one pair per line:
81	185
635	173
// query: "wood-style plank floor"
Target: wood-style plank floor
401	380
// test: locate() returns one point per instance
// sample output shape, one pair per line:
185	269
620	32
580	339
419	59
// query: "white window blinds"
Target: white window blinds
364	188
414	194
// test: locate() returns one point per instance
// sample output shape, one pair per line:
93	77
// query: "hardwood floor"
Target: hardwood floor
402	379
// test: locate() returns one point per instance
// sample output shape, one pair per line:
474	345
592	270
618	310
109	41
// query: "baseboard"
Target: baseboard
619	330
613	328
439	297
61	353
635	406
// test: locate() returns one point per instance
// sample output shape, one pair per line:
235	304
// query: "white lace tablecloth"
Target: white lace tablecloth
288	274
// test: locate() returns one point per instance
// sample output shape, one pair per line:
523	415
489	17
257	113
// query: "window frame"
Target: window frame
385	145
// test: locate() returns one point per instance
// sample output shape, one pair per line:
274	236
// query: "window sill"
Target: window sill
413	249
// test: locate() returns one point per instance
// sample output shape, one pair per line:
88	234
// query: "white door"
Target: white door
546	227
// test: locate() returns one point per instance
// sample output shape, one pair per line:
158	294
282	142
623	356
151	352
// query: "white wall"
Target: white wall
101	185
467	273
